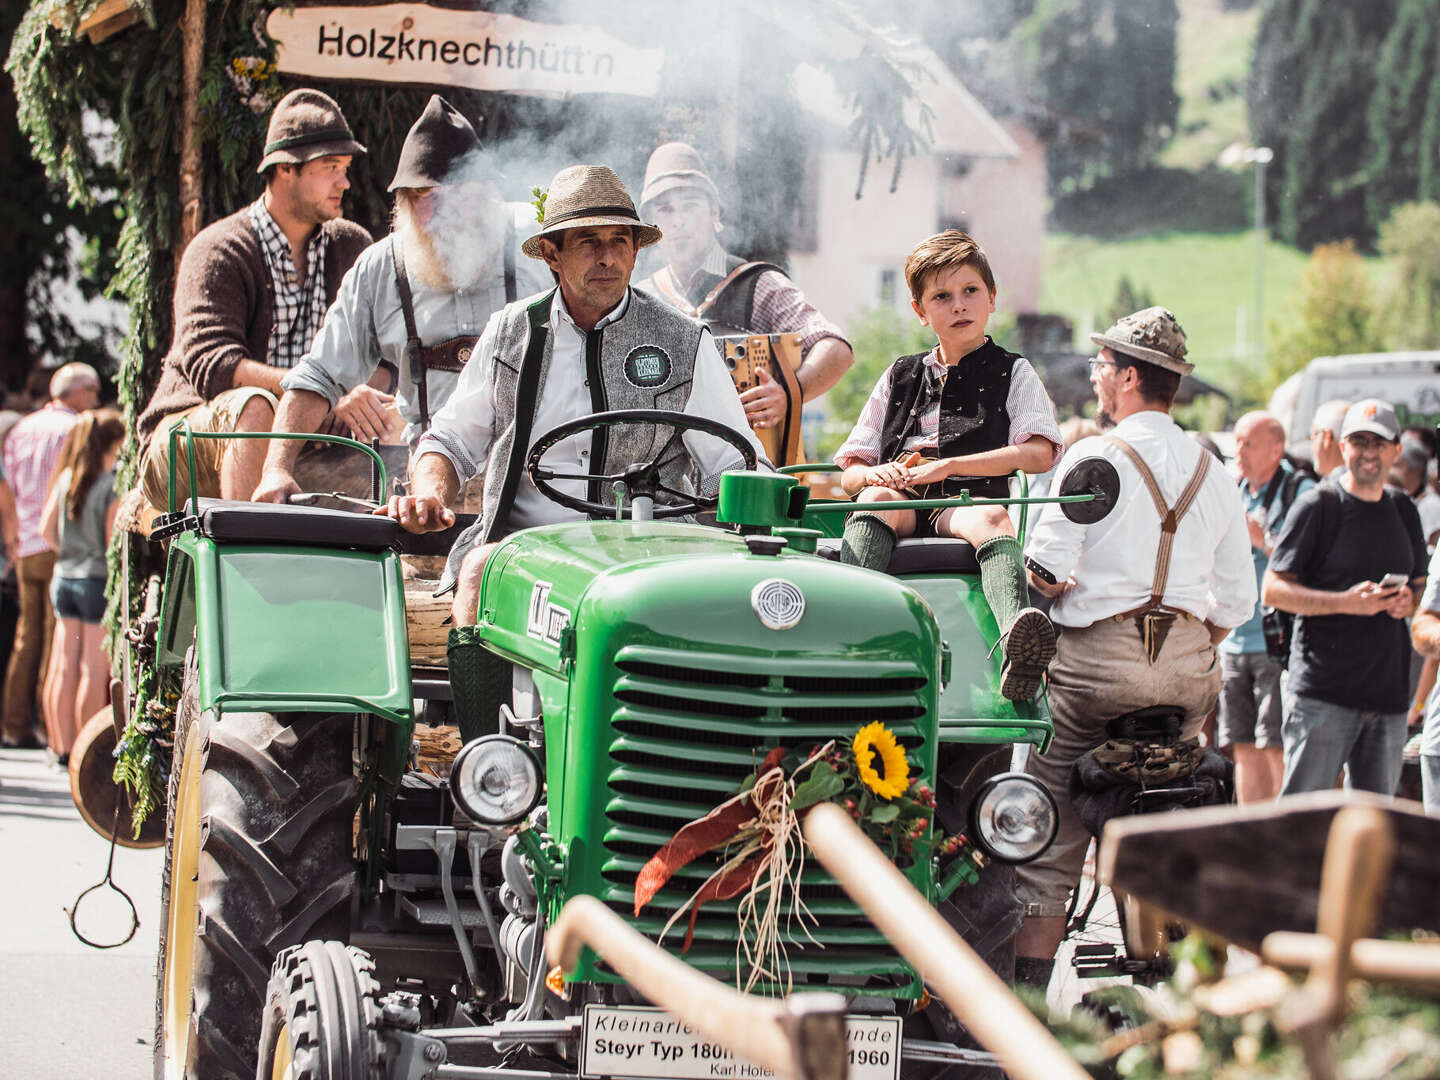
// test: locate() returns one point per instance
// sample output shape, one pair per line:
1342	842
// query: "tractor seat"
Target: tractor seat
232	522
1157	724
926	555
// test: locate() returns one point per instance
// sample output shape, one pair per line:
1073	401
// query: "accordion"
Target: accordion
779	355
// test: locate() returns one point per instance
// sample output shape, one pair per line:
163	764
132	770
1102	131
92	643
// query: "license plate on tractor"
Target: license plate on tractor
650	1044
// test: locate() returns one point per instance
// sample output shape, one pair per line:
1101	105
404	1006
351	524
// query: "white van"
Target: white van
1410	381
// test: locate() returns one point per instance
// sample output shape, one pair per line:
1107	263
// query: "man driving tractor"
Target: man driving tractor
591	344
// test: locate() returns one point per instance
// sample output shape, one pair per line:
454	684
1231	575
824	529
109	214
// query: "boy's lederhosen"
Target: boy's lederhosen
973	418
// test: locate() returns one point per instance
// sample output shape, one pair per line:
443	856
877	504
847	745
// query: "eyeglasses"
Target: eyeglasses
1096	362
1368	442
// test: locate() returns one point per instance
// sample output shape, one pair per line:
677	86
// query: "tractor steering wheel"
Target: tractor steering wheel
643	479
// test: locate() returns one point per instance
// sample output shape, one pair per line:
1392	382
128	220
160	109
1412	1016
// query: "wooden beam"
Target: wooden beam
192	61
1244	872
108	17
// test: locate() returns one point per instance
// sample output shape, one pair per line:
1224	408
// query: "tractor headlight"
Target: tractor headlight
496	780
1013	818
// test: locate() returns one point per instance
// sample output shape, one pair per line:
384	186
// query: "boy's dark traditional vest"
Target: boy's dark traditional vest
973	413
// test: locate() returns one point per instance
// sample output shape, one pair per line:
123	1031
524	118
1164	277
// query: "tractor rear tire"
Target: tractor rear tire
322	1015
258	858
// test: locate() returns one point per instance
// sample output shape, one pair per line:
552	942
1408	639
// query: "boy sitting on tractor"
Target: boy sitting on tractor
961	417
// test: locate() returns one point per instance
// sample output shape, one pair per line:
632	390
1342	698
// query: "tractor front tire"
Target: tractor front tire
258	858
322	1015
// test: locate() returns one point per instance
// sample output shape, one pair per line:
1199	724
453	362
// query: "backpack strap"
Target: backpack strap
1170	516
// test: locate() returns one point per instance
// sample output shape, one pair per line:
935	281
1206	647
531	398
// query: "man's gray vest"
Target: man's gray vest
643	360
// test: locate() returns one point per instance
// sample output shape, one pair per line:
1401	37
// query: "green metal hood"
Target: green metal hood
547	591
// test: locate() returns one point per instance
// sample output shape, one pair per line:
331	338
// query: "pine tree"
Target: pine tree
1107	68
1410	297
1404	115
1311	84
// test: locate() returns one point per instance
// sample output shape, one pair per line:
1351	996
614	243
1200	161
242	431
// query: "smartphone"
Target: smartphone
1394	581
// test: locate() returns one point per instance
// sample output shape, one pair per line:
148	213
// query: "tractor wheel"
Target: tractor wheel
322	1015
258	857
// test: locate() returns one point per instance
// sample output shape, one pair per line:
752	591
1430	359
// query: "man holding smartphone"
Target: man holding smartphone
1351	564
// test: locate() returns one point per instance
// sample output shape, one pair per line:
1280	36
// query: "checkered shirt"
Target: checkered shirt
1030	408
299	309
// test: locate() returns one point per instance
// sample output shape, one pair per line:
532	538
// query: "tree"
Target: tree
1334	314
1129	300
1404	118
1311	83
1410	299
1107	68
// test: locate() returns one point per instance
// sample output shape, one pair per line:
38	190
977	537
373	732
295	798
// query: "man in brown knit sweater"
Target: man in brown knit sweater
250	295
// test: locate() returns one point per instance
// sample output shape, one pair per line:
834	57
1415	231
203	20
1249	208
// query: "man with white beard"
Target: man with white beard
415	301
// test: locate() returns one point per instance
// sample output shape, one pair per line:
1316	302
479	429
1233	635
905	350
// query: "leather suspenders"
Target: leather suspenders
450	355
1157	617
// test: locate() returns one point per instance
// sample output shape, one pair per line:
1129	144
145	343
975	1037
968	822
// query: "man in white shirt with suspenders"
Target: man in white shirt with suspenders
1142	596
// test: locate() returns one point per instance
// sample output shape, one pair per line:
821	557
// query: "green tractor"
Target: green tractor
332	910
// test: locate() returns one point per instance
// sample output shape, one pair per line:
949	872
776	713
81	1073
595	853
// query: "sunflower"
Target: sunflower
893	776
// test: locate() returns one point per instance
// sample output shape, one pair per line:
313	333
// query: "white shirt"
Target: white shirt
1428	504
465	428
1113	560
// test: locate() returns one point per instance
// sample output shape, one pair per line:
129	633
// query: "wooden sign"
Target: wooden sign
479	50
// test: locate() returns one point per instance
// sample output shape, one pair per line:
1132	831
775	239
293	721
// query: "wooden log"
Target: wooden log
1242	872
1411	963
754	1028
109	17
425	617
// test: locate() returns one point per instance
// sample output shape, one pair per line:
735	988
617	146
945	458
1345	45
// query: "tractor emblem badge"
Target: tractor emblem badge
778	603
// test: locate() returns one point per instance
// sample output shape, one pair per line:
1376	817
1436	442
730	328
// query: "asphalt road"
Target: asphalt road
70	1011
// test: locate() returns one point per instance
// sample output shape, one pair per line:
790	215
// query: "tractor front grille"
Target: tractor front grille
685	734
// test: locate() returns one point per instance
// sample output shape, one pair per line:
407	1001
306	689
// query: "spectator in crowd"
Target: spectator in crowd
1412	476
1423	435
79	516
1325	428
1350	563
1141	596
1425	635
31	451
1250	704
10	539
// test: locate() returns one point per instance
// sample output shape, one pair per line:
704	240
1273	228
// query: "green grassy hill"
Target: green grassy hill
1213	60
1203	277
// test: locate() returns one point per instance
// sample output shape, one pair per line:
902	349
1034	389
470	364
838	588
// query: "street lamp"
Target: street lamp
1259	156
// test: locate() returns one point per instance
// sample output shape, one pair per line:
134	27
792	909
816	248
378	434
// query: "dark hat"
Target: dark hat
1153	335
586	196
676	165
306	125
436	141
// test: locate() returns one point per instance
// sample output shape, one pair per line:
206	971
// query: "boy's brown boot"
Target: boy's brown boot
1029	646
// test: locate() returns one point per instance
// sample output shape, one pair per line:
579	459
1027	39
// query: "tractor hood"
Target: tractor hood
551	592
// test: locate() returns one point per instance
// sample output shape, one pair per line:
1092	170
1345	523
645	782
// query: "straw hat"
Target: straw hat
306	125
1153	335
676	165
586	197
436	141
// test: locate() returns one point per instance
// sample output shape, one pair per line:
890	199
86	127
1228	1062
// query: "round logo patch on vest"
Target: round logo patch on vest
647	367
